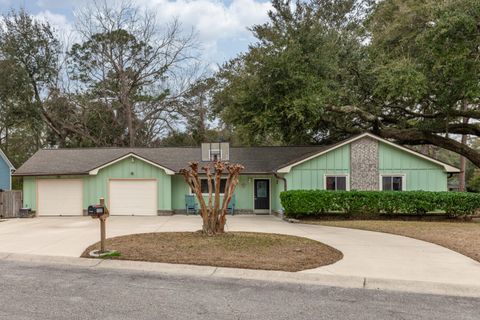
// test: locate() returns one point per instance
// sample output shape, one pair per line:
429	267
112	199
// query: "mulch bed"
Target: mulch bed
233	249
462	237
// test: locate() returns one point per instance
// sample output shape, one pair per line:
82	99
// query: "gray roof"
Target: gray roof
81	161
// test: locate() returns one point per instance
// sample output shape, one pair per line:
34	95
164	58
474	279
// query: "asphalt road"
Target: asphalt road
38	291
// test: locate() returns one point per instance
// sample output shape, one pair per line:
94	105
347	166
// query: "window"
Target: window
336	183
204	185
215	155
392	183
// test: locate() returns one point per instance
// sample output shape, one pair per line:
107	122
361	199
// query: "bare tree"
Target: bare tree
214	211
128	60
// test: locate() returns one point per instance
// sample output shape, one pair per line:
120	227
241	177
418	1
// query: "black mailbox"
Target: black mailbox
96	210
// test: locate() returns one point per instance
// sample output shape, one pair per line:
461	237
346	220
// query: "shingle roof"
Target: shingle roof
81	161
255	159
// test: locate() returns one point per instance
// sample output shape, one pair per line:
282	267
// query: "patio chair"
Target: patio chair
231	205
190	204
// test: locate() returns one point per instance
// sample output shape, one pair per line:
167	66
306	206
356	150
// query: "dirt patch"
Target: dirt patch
463	237
234	249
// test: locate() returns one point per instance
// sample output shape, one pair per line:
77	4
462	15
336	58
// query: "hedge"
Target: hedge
303	203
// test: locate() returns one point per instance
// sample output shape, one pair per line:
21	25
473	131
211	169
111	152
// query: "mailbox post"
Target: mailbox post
101	213
103	218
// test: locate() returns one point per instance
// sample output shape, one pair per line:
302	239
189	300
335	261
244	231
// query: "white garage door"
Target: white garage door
133	197
59	197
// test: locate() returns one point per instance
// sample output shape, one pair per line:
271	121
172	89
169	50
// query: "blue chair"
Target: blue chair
190	204
231	205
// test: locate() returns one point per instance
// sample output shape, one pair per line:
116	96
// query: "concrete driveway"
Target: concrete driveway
366	253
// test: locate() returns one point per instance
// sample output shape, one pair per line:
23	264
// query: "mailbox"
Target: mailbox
96	210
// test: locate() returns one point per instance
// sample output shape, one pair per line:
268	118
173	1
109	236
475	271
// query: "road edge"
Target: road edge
332	280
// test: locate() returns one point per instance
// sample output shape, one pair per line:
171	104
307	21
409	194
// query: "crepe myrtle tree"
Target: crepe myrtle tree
214	211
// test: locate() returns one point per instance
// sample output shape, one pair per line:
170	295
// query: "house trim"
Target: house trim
448	168
94	171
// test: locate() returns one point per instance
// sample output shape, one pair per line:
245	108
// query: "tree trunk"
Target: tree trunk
213	214
131	131
463	160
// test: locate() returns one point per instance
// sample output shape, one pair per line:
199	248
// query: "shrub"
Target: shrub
304	203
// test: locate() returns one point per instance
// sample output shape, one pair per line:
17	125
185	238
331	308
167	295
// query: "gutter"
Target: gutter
281	178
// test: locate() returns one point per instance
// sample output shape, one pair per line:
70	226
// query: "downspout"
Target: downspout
281	178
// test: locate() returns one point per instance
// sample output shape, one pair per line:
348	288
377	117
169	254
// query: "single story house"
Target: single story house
146	181
6	169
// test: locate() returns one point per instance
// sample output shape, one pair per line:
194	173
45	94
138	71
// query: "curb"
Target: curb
421	287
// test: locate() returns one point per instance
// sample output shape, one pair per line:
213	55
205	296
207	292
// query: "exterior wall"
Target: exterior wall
243	192
420	174
5	178
29	193
96	186
311	174
364	164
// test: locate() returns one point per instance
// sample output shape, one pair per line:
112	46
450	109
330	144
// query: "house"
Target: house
6	169
146	181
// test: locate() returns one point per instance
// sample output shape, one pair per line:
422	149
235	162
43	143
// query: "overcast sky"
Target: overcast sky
221	25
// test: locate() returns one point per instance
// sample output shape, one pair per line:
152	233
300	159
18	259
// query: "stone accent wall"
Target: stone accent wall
364	164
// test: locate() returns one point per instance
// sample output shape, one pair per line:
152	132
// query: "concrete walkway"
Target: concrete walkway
366	254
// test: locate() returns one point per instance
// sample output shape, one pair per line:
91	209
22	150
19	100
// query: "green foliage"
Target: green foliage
404	69
305	203
278	91
474	182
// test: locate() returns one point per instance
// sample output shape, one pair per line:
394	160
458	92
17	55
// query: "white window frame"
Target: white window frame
346	175
213	191
218	152
393	175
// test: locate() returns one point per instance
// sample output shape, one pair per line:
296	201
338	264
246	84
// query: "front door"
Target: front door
261	195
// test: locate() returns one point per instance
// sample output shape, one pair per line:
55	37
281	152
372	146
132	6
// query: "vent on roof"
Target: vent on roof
215	151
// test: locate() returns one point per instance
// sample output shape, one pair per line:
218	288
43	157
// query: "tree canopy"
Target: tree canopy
405	70
318	71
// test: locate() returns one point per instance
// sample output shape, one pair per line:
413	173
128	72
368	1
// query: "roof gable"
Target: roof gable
4	157
287	167
94	171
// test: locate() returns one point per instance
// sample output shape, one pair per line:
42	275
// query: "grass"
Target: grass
234	249
462	237
110	255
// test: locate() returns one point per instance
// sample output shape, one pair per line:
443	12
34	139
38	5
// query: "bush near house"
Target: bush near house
311	203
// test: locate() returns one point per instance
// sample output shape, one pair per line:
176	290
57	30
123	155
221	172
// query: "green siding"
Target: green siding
29	193
310	174
420	174
96	186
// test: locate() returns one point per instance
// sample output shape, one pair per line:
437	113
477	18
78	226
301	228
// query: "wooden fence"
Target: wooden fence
10	204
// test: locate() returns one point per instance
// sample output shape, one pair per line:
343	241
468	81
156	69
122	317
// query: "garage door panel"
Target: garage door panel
133	197
57	197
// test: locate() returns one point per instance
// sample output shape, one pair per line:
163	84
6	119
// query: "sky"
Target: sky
221	26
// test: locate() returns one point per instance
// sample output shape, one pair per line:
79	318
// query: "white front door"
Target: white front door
59	197
133	197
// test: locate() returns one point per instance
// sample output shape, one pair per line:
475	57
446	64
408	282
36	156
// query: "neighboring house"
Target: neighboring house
146	181
6	169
